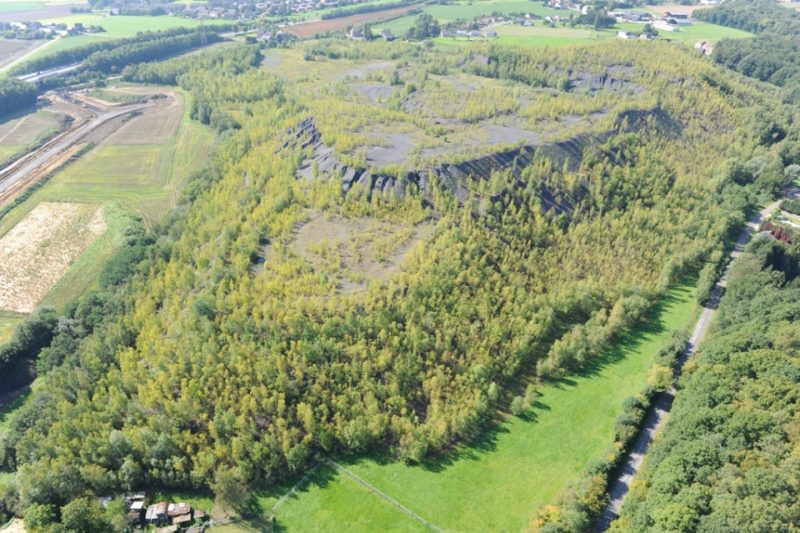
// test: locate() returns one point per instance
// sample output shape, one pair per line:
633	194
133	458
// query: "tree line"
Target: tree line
725	460
773	55
16	95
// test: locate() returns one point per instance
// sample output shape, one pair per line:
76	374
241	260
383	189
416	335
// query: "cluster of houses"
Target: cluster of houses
254	9
468	34
166	516
39	30
356	33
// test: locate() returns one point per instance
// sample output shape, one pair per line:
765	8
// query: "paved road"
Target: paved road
24	168
36	76
663	402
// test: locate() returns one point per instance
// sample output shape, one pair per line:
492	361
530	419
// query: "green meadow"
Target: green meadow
498	482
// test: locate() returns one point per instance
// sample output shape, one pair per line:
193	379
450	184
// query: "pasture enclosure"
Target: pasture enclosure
36	253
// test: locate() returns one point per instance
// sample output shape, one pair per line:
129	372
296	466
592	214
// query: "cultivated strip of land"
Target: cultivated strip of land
663	403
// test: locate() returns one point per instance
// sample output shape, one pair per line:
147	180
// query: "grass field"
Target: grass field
8	322
497	483
20	6
128	26
697	31
562	35
65	43
23	131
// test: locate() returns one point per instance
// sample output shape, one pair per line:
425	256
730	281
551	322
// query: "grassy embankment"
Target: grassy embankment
497	483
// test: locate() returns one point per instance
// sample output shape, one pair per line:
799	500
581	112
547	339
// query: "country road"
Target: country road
663	402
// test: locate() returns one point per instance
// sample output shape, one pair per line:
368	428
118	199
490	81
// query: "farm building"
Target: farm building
157	513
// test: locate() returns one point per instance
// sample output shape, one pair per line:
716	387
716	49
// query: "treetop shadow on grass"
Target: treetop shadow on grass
485	438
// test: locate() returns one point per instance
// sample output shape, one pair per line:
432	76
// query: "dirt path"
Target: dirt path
663	402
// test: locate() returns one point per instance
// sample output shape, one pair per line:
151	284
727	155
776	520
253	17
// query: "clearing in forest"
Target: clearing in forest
37	252
357	250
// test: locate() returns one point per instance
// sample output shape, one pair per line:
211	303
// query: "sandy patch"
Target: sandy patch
37	252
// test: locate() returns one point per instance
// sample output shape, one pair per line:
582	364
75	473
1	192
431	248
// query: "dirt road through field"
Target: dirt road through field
663	402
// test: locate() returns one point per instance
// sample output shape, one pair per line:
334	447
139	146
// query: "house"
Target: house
665	25
175	510
625	35
475	33
491	34
447	32
387	34
356	34
681	19
704	47
157	513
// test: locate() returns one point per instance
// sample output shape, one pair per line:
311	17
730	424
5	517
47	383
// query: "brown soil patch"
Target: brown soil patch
307	29
37	252
356	251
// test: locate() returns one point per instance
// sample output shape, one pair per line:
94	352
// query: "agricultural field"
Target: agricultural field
11	50
11	10
18	133
39	250
531	457
66	43
129	26
137	167
310	28
140	164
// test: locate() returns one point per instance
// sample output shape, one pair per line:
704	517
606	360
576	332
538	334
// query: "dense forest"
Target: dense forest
206	372
727	460
773	55
15	95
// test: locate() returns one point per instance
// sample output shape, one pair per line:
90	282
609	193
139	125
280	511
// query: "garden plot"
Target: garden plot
37	252
357	251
